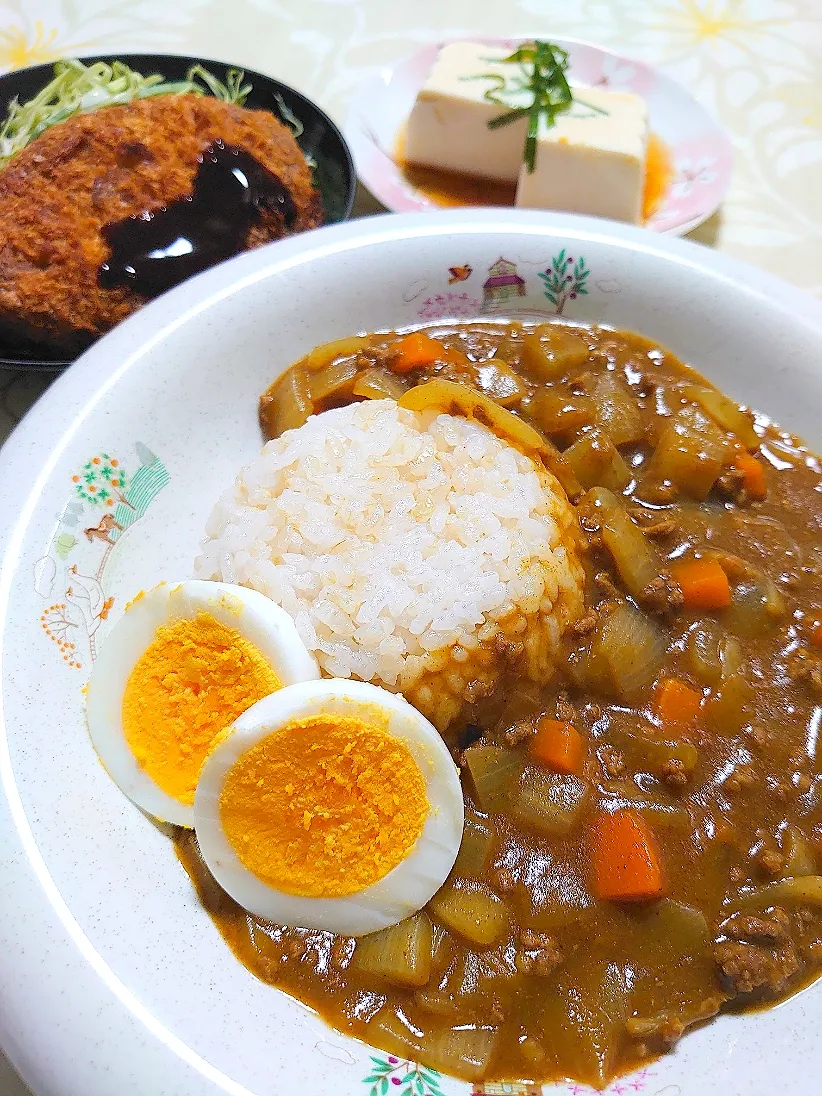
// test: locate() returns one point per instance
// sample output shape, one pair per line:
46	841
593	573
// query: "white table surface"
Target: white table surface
756	63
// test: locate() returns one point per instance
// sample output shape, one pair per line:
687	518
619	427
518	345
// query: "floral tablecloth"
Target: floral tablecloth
757	64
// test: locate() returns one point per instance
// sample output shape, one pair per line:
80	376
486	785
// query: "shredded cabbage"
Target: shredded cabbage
290	119
79	89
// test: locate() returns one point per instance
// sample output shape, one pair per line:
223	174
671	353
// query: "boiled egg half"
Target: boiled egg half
332	805
180	666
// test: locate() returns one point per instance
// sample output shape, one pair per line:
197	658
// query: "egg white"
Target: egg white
268	627
408	886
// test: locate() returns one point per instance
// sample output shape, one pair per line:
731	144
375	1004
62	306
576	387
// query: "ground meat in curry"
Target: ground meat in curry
691	691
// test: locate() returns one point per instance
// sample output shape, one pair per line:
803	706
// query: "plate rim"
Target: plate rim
26	462
358	136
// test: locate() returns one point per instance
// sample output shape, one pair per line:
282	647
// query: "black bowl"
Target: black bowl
334	173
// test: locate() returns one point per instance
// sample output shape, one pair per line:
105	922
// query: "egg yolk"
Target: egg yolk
324	807
194	679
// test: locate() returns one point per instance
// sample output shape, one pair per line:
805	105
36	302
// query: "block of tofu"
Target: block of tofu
448	126
592	160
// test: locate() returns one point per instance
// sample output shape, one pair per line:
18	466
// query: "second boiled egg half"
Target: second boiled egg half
330	804
181	665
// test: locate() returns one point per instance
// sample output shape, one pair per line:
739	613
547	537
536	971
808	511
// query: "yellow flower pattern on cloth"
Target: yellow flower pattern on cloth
19	48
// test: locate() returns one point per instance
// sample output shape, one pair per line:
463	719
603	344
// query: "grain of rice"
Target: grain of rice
394	539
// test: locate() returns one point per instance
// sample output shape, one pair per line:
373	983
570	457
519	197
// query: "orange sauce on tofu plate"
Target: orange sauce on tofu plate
447	189
659	174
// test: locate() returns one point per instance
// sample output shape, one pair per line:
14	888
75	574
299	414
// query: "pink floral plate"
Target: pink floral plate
700	150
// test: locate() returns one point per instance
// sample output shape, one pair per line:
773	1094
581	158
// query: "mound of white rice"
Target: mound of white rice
403	545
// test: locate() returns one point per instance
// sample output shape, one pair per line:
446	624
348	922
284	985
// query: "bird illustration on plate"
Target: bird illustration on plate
459	273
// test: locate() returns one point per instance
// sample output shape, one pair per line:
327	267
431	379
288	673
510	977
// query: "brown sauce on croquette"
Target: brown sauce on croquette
92	170
153	251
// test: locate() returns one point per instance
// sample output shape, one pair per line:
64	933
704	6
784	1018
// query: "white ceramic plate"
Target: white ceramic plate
113	981
700	149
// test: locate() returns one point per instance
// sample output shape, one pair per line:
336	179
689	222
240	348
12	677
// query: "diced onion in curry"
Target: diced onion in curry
697	717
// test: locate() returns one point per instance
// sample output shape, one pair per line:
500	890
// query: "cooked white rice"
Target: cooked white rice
403	545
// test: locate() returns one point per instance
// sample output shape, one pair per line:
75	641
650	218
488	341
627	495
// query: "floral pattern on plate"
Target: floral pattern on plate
108	497
393	1076
504	289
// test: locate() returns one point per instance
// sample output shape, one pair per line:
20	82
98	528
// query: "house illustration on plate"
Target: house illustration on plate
502	285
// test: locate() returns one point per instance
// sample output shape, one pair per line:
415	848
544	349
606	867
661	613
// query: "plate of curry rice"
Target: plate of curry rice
433	708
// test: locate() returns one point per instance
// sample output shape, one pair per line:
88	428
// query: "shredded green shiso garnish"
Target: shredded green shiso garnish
542	82
79	89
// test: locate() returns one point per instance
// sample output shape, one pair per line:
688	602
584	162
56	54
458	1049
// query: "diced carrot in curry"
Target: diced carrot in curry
703	583
676	704
753	472
521	797
625	859
415	351
558	746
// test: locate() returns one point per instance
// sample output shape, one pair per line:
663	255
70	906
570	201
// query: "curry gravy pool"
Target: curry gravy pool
642	843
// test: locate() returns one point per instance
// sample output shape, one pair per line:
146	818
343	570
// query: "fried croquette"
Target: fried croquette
94	170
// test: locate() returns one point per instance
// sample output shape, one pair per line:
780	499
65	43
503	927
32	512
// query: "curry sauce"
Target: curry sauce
643	837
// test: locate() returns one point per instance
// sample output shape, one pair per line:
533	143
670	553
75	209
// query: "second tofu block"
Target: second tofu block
592	160
448	126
